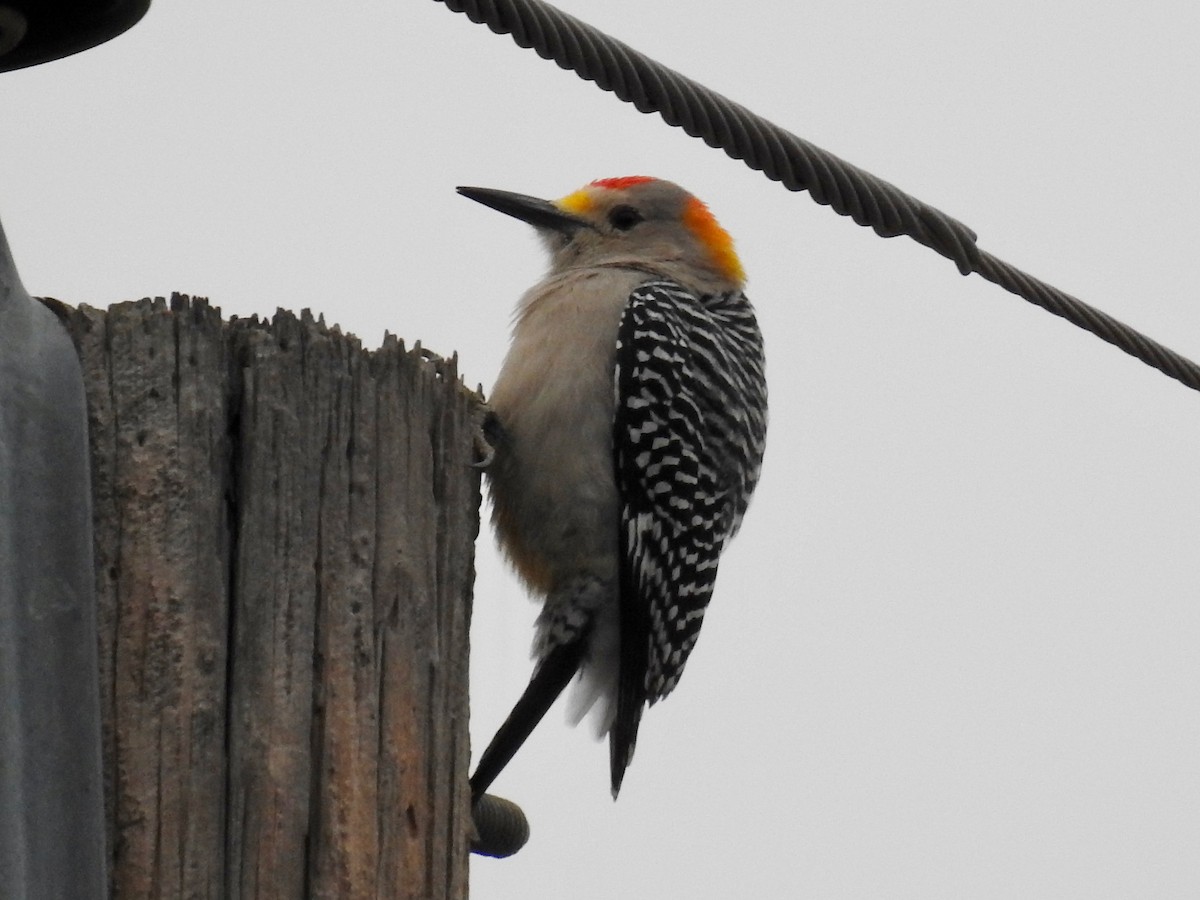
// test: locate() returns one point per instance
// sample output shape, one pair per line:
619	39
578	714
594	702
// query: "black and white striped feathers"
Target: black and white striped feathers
689	428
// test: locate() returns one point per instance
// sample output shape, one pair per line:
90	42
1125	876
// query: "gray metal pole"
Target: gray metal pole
51	791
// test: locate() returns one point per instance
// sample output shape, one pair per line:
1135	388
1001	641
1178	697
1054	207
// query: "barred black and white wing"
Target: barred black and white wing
688	433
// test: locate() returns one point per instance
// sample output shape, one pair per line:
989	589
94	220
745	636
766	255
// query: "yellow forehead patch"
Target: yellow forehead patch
580	202
704	225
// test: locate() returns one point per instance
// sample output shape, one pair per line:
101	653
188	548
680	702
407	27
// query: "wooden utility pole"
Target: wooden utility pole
284	532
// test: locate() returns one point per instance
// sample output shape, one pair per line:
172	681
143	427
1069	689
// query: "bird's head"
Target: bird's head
637	221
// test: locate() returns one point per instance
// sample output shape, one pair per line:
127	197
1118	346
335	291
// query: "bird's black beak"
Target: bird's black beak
538	213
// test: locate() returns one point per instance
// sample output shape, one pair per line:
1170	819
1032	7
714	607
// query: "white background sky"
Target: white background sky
953	652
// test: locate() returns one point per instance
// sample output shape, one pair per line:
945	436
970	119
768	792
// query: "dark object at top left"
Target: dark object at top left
37	31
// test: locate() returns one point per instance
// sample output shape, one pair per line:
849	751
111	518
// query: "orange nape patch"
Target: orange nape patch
703	224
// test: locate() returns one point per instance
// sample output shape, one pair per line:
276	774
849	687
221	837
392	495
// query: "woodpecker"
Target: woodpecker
628	425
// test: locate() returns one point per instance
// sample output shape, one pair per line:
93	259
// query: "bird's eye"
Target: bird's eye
624	217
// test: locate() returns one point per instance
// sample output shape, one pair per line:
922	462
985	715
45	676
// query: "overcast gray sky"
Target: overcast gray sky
953	652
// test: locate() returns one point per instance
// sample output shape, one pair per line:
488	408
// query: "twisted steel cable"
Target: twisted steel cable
793	161
1089	318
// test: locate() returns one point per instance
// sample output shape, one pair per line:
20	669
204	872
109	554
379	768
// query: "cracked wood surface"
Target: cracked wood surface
284	537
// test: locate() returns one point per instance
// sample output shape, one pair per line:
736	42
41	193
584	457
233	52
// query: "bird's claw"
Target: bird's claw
488	437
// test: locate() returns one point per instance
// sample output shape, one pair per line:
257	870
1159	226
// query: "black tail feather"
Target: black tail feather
631	677
553	674
631	700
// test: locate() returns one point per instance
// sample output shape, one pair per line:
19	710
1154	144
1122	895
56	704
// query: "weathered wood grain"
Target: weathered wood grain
284	530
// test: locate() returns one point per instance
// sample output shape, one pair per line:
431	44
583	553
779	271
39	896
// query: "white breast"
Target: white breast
555	503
